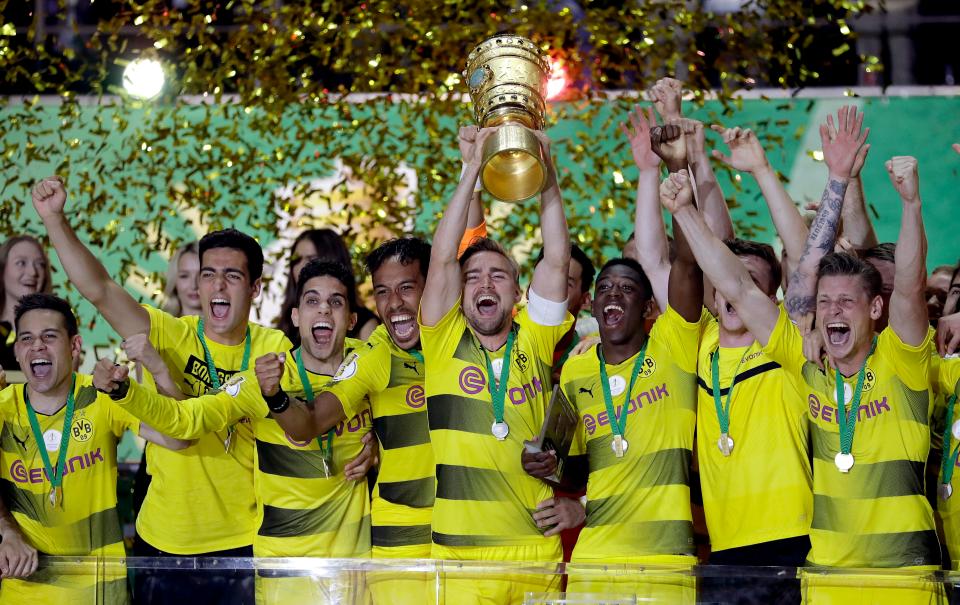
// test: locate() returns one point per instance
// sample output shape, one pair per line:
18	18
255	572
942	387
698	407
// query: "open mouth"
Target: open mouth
41	368
403	325
322	332
487	305
219	307
612	315
838	333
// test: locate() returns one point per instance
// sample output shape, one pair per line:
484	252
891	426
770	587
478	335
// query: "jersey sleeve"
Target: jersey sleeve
166	331
680	336
544	338
199	416
120	419
948	376
371	375
786	344
440	341
912	362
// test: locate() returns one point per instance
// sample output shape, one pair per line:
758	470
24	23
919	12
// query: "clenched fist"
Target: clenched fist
49	196
903	174
269	370
669	142
676	192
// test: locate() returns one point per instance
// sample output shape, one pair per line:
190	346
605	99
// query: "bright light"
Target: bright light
143	78
558	79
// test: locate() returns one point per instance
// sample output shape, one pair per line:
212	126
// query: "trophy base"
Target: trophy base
513	168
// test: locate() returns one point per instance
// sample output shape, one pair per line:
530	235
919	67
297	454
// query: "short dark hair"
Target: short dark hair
338	271
405	249
841	263
587	270
886	251
632	264
236	240
43	301
485	244
743	247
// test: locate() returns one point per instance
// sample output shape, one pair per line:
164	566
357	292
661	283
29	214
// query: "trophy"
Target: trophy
507	76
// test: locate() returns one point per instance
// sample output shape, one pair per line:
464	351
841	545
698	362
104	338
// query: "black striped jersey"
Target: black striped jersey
638	505
301	512
392	379
87	524
876	515
483	496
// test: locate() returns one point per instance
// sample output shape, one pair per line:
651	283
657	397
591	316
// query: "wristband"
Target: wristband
478	186
121	391
278	402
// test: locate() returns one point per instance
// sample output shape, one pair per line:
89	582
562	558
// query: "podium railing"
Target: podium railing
83	580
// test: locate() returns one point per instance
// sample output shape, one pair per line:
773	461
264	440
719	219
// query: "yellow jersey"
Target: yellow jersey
483	496
948	383
762	491
300	510
876	515
638	504
87	524
392	378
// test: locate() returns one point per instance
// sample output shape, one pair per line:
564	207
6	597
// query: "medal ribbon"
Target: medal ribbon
949	459
325	448
417	354
618	424
211	368
55	475
723	412
498	393
848	418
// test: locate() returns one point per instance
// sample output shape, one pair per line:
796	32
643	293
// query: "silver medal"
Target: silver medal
725	443
946	490
619	445
500	430
844	462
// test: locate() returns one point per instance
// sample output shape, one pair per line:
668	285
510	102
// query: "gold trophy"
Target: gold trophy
507	76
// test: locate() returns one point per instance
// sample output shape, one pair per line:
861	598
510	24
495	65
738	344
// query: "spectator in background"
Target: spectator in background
181	293
938	284
325	244
26	270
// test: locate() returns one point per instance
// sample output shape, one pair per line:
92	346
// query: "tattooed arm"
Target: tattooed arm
842	146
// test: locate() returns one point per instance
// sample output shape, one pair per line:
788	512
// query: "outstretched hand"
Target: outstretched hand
844	144
746	152
639	137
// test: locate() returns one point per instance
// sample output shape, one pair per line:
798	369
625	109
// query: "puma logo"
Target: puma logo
586	390
410	366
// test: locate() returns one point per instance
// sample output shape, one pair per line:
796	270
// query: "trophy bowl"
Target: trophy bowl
507	76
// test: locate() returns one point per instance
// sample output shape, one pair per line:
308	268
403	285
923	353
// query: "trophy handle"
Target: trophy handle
513	167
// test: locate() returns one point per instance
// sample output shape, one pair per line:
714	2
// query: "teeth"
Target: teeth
485	298
612	307
39	362
323	324
836	325
220	301
399	318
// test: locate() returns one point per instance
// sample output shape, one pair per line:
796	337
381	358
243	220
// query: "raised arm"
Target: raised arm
857	226
83	269
724	270
550	275
841	146
443	286
685	287
709	196
908	308
747	155
650	247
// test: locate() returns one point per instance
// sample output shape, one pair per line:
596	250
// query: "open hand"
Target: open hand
843	143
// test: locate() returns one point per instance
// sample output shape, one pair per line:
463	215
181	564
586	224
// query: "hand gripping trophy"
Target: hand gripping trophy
507	75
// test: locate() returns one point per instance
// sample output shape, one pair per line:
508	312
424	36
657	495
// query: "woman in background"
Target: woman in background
26	270
328	245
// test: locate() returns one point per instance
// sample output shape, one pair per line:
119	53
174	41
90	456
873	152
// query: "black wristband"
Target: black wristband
121	391
278	402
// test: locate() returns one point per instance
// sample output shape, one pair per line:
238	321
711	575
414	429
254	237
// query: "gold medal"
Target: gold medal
725	443
619	446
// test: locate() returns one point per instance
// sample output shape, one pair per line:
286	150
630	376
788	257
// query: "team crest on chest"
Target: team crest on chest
869	379
81	430
648	367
